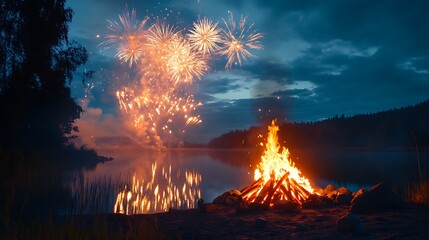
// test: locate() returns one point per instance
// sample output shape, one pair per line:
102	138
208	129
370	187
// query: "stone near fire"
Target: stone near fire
318	190
344	196
344	199
341	196
350	223
286	205
358	193
316	201
378	197
229	198
332	195
344	190
328	189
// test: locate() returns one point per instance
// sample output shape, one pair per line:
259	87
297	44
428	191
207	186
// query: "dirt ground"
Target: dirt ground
409	222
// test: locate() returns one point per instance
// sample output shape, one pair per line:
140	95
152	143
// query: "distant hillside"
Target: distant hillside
393	129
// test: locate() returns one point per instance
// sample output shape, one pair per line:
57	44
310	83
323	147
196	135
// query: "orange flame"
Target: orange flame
276	177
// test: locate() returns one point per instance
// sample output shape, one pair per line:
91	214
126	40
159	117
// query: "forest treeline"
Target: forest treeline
406	127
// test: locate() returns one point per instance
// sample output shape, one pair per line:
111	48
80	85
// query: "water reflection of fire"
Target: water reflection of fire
276	177
171	190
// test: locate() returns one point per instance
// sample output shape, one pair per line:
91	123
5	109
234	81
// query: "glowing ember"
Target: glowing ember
276	177
160	105
160	193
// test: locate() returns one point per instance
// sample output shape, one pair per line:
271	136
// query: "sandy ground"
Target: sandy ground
409	222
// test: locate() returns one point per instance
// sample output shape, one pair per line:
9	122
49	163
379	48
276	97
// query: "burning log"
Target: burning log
278	183
251	187
286	193
262	194
300	188
274	190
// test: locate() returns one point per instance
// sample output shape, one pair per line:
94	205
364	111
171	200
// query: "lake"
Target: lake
145	181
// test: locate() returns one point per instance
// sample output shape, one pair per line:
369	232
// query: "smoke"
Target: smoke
97	129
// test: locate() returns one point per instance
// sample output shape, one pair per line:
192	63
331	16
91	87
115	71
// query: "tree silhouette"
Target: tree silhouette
37	62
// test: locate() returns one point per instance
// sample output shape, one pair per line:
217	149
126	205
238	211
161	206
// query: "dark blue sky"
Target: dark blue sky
320	58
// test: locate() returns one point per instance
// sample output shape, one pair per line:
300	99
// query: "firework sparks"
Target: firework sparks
127	37
156	115
183	63
238	40
205	36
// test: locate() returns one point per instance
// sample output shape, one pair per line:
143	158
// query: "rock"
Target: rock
377	198
234	192
350	223
343	190
358	193
230	198
286	205
344	199
316	201
318	190
329	188
332	195
344	196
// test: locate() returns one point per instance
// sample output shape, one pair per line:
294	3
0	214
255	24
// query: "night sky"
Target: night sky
320	59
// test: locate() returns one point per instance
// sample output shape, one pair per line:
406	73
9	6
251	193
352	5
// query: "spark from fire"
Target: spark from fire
160	192
276	177
160	105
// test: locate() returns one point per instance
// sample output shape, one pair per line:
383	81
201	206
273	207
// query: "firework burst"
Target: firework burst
205	36
184	64
154	66
238	40
127	37
160	105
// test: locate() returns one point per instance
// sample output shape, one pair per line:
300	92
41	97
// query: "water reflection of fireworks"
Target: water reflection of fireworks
160	105
164	190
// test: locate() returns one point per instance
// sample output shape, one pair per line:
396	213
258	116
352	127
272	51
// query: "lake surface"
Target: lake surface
146	181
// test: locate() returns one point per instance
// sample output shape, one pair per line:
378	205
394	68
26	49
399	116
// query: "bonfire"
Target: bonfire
276	177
